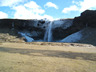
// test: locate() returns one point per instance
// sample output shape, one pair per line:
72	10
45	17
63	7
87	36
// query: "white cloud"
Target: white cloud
32	4
71	8
26	11
3	15
87	4
35	8
10	2
50	4
81	6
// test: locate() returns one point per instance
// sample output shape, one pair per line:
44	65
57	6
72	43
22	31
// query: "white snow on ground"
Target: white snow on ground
29	39
73	37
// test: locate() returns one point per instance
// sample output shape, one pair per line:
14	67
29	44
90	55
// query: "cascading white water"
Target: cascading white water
48	33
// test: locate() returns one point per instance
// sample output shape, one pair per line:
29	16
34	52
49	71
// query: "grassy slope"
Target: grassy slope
42	57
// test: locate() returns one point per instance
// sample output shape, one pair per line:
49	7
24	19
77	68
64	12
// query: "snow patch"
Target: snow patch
29	39
73	37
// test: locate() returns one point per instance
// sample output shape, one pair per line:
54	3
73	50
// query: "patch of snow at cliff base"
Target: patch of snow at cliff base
73	37
29	39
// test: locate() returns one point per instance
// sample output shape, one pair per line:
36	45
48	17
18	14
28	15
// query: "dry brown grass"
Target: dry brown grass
8	35
21	57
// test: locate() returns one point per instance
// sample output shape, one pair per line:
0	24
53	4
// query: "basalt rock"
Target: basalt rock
87	18
23	25
60	28
66	29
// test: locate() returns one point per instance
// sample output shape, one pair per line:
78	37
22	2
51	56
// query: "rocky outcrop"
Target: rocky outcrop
66	29
60	29
87	18
37	28
30	26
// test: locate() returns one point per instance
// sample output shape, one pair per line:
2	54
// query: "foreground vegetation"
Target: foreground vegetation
47	57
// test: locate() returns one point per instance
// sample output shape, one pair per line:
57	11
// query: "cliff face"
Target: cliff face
37	29
87	18
22	25
62	28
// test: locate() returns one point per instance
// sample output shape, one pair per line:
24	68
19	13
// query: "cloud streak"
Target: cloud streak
71	8
50	4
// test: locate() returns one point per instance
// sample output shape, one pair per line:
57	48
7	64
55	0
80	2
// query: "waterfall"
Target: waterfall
48	33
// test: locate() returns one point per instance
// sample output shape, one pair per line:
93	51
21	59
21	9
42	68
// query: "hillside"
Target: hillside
88	37
84	36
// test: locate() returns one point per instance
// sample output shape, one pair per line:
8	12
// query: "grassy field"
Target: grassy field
47	57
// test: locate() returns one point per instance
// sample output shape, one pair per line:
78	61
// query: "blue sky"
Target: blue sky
39	9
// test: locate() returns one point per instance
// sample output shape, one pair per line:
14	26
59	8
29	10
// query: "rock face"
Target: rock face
29	26
87	18
37	28
60	29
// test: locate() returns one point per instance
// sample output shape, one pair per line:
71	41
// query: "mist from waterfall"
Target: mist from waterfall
48	33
